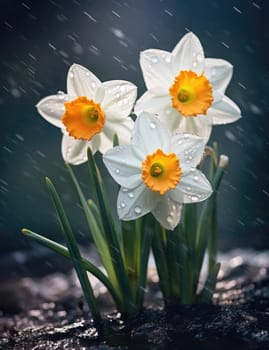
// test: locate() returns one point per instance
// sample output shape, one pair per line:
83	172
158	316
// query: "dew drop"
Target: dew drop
190	157
138	210
169	219
93	84
131	195
87	74
168	59
124	189
194	198
117	171
122	205
61	95
188	188
154	59
196	178
152	125
71	75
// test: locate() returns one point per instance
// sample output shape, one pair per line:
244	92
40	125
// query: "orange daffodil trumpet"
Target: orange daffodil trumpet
157	172
90	114
185	90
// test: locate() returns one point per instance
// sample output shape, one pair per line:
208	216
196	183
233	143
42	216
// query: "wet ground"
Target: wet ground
48	313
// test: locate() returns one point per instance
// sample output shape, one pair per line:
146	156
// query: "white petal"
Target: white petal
137	202
123	166
149	134
189	148
120	95
168	212
188	55
156	69
152	103
224	111
193	187
82	82
52	108
200	125
75	151
120	126
219	72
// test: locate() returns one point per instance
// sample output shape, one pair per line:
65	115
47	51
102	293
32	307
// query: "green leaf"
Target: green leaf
111	233
210	285
74	253
61	250
93	218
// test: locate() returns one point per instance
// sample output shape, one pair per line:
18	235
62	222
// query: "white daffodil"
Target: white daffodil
157	172
187	90
90	114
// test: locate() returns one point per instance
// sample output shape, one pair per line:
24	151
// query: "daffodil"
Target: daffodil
157	172
90	114
186	90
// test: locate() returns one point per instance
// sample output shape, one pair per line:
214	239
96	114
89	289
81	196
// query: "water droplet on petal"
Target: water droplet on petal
188	188
93	84
117	171
180	142
152	125
122	205
138	210
194	198
124	189
168	59
169	219
154	59
131	195
71	75
196	178
194	64
87	74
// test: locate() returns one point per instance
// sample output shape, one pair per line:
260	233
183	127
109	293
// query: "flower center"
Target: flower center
191	94
161	172
83	118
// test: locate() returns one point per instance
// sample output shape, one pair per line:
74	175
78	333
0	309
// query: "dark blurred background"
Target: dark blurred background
41	39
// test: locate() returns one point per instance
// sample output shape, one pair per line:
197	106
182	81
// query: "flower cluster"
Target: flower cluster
156	168
157	160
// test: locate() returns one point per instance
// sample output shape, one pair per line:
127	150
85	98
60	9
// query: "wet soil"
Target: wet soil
48	313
